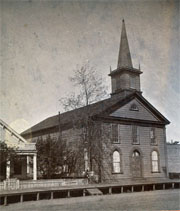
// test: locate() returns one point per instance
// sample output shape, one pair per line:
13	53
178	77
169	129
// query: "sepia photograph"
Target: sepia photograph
89	105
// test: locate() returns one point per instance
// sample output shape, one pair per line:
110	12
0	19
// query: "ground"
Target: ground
153	200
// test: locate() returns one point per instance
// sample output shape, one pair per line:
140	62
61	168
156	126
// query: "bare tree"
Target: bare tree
91	89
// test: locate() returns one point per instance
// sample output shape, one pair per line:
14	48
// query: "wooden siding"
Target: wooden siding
173	158
123	81
126	148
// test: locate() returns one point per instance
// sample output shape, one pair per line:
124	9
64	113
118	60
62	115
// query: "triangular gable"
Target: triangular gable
134	110
123	110
13	139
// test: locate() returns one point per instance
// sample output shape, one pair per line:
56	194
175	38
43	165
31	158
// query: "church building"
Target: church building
130	134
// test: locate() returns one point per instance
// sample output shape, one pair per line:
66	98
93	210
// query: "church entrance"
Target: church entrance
136	164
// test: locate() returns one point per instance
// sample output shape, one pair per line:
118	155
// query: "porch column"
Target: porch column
8	170
28	167
35	167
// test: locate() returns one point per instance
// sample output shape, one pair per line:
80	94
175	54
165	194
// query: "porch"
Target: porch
23	168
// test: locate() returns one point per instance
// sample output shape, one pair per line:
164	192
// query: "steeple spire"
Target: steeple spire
124	59
125	78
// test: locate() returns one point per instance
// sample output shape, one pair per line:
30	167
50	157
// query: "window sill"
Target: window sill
135	143
155	172
116	142
117	172
154	144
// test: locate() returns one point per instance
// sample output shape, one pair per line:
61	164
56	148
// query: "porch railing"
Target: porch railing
14	184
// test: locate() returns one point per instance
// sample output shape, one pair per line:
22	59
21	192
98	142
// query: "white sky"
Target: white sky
42	42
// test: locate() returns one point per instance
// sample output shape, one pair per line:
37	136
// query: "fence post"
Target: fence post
5	184
110	190
17	184
68	194
5	200
132	188
122	189
52	195
21	198
37	198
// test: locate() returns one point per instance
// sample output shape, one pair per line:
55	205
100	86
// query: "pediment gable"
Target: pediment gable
11	137
135	110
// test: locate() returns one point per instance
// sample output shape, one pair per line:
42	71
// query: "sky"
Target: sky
43	42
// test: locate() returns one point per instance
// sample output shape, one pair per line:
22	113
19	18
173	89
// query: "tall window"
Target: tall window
155	161
115	133
116	162
152	136
135	134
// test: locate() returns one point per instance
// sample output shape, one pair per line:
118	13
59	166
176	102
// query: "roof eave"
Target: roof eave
125	69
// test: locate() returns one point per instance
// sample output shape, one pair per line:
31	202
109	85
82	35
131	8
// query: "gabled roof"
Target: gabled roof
14	139
73	115
129	98
20	138
95	109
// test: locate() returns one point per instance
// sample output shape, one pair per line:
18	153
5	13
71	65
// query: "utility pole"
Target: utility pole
59	126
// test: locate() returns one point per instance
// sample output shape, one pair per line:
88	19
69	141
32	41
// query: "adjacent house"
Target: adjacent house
173	151
26	166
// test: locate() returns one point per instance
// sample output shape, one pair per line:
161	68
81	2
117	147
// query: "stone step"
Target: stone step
94	191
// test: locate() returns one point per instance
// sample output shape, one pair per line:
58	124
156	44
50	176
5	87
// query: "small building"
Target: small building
26	166
173	151
130	133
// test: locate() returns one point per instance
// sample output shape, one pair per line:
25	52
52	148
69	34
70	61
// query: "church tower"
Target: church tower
125	77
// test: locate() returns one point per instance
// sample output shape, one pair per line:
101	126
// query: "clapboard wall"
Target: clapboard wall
126	148
173	158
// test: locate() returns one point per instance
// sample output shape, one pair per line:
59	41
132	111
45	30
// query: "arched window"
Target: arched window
136	165
134	107
155	161
136	154
116	162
